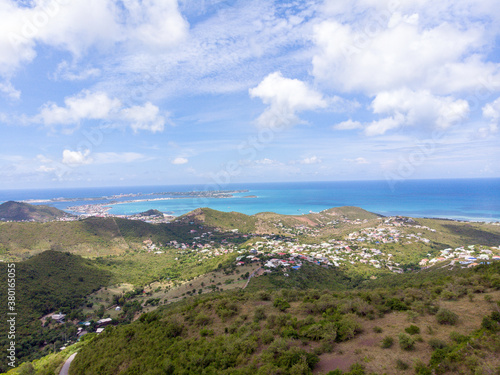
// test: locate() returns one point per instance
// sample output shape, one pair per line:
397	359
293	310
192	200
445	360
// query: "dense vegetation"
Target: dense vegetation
49	282
289	331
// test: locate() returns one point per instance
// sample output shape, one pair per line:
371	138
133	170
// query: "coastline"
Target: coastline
474	200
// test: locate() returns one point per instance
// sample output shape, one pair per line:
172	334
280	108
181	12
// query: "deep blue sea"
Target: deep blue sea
463	199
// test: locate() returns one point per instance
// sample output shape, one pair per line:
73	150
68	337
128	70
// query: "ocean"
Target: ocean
461	199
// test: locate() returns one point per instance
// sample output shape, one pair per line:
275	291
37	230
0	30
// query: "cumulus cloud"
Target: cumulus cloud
285	97
396	50
311	160
405	107
146	117
491	112
74	158
79	25
179	161
99	106
84	106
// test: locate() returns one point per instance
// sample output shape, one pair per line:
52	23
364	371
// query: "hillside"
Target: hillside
17	211
228	281
291	331
217	219
49	282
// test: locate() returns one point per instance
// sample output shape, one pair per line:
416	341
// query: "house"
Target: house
59	318
104	322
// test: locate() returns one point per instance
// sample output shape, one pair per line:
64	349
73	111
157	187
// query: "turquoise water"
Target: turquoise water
464	199
456	199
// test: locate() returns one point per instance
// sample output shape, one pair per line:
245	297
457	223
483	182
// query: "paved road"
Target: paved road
65	368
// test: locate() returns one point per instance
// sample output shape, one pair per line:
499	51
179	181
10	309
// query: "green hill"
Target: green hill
224	220
49	282
351	213
293	331
17	211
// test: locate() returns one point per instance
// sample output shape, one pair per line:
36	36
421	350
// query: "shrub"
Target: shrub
401	365
206	332
489	324
347	328
412	330
281	304
406	342
422	369
437	344
377	329
458	338
445	316
387	342
259	314
202	320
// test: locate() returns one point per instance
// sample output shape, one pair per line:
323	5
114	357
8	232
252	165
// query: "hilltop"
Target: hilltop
18	211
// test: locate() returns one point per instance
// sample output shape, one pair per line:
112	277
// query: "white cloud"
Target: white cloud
180	161
99	106
117	157
158	23
358	161
410	108
8	90
395	50
285	97
311	160
266	161
380	127
348	125
78	25
72	73
84	106
491	112
45	169
146	117
74	158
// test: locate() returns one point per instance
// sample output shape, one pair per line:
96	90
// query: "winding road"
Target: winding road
65	368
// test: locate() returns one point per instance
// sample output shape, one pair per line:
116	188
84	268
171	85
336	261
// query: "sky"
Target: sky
160	92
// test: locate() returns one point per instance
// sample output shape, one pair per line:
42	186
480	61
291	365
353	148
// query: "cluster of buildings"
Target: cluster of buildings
469	256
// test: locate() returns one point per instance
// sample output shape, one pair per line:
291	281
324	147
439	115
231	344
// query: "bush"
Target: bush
377	329
458	338
422	369
445	316
437	344
259	314
401	365
281	304
206	332
489	324
412	330
406	342
387	342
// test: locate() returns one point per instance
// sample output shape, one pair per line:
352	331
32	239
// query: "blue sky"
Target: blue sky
131	92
